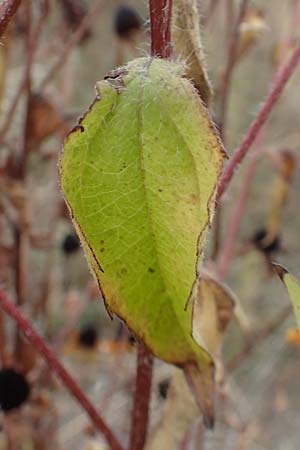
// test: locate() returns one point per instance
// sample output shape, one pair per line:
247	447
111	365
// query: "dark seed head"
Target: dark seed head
126	21
259	240
131	339
70	243
88	336
14	389
74	11
163	388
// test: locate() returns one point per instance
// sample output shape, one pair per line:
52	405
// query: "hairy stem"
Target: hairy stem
7	11
277	87
160	16
47	353
140	412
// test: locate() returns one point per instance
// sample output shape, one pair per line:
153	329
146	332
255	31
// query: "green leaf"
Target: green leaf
293	287
139	173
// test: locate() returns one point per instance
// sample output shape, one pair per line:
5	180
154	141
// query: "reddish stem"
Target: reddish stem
231	59
226	255
72	42
140	414
234	36
42	347
279	83
3	344
210	11
8	121
160	16
7	11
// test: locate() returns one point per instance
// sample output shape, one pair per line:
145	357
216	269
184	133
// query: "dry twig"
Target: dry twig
69	382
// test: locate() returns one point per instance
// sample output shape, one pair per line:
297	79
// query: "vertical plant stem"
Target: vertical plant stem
276	89
225	91
47	353
210	11
160	17
21	231
142	396
230	63
9	434
8	8
3	343
20	263
8	121
295	14
230	14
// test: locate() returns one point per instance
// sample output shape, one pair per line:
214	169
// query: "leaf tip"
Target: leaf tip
279	270
202	384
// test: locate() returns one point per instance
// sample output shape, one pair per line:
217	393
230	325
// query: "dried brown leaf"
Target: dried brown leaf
280	191
43	120
213	307
187	45
179	412
252	27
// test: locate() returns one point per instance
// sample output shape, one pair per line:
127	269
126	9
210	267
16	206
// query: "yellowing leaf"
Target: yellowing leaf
213	307
293	288
139	174
186	41
280	191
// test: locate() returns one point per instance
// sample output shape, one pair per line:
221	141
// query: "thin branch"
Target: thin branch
21	228
3	343
10	444
7	10
295	15
210	11
279	83
140	412
234	36
72	42
237	215
160	17
252	343
8	121
47	353
230	63
9	116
